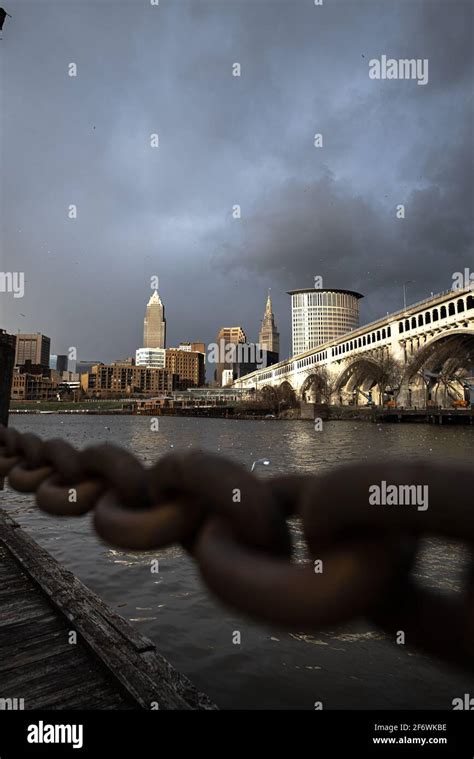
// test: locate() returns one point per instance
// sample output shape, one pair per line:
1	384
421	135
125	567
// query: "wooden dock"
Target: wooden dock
107	664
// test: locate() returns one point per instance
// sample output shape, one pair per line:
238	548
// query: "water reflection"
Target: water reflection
353	667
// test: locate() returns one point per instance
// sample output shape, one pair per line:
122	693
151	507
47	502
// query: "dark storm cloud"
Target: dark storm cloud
345	228
227	141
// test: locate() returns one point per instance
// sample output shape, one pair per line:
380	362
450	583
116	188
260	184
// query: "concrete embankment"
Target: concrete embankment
303	412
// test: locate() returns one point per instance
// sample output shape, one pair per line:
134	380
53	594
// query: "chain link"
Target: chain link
236	527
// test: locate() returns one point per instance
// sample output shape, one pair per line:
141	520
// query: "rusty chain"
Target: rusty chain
242	544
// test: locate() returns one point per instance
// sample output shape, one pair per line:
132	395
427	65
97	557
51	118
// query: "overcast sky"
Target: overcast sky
223	141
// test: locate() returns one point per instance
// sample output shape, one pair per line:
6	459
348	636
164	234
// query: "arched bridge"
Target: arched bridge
421	355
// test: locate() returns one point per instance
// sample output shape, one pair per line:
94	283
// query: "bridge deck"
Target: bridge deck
111	666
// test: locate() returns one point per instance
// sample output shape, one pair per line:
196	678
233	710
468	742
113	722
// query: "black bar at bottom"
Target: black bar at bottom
319	734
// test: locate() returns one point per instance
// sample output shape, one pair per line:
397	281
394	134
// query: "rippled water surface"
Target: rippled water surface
353	667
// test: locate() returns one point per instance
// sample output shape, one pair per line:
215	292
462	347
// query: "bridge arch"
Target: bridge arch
358	384
286	396
315	388
438	372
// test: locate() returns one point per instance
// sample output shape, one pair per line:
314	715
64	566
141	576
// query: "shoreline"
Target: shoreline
309	413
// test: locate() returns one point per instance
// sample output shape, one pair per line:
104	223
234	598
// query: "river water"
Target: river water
353	667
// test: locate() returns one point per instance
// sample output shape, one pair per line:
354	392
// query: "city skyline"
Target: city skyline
459	281
169	211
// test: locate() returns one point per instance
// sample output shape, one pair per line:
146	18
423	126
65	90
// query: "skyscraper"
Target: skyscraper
319	315
269	337
154	325
226	359
62	363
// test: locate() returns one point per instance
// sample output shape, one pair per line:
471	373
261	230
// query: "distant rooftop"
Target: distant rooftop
325	290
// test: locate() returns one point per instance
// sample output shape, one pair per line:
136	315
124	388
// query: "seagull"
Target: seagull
265	462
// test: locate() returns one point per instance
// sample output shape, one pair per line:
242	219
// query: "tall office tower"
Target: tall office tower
61	363
318	316
32	348
226	336
269	337
154	325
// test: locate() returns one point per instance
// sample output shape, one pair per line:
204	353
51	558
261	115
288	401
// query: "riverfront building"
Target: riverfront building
32	348
119	379
318	316
154	324
187	365
33	387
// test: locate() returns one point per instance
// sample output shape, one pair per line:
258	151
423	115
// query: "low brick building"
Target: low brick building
120	379
33	387
188	365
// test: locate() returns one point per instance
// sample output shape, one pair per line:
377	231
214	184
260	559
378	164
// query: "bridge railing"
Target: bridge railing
396	314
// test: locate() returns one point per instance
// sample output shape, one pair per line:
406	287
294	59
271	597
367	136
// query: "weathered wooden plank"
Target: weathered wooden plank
55	686
92	695
15	588
137	673
81	692
24	602
47	671
10	574
35	649
24	630
14	610
91	698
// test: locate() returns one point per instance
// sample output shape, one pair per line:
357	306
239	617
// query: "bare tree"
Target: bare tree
322	382
389	374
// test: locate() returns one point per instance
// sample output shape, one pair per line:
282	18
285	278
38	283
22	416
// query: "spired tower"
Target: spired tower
154	324
269	337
